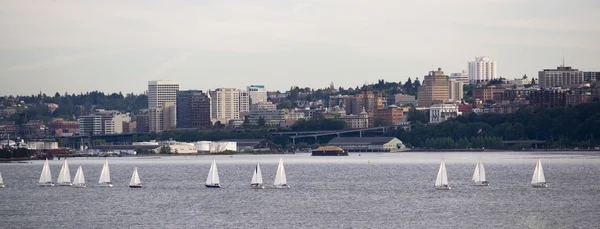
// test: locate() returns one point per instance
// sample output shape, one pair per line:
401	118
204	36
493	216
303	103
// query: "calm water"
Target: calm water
368	191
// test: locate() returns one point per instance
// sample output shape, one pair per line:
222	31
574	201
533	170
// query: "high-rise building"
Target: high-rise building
257	93
591	77
244	102
562	76
434	89
456	92
159	93
225	105
193	109
482	70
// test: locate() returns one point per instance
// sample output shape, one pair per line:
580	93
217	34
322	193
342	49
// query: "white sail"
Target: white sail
79	177
479	173
442	177
64	177
105	174
213	174
46	176
257	176
135	178
1	180
280	178
538	174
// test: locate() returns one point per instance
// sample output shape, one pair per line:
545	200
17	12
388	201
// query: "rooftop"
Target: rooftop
359	140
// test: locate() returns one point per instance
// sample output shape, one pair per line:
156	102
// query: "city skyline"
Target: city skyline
75	47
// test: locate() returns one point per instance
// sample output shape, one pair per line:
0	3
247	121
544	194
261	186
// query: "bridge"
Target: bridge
315	134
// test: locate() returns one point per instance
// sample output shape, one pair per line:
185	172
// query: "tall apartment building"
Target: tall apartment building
225	105
562	76
193	109
162	102
364	101
434	89
257	93
456	91
244	102
482	70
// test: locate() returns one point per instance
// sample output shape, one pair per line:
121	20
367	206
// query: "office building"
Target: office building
434	89
162	99
482	70
443	111
193	109
257	93
461	76
102	122
562	76
364	101
388	117
244	103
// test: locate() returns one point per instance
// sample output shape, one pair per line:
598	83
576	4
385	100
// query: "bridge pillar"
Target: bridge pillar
360	133
294	141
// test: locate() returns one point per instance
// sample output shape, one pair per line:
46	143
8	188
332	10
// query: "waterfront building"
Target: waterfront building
482	70
142	123
562	76
274	117
193	109
102	122
434	89
162	99
442	112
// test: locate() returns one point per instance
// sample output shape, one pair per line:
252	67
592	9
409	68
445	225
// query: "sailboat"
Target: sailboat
212	180
105	176
538	180
479	175
280	179
64	177
46	176
257	181
1	181
441	183
135	180
79	180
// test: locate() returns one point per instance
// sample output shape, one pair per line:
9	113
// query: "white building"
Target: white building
102	122
263	106
225	104
456	91
442	112
462	76
162	98
274	117
360	120
257	93
482	70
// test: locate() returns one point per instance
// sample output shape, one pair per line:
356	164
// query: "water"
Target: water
367	191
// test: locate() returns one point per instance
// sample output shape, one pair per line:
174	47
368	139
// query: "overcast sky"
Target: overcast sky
77	46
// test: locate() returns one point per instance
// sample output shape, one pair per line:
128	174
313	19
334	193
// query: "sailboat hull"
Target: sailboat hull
540	185
284	186
79	186
135	186
443	188
65	184
50	184
481	183
213	185
1	185
108	185
257	186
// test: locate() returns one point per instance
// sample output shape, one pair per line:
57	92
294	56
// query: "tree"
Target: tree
408	85
285	104
415	115
261	121
165	150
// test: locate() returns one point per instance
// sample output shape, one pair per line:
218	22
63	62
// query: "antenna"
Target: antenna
563	60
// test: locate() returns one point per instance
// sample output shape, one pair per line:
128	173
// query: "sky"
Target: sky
118	46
